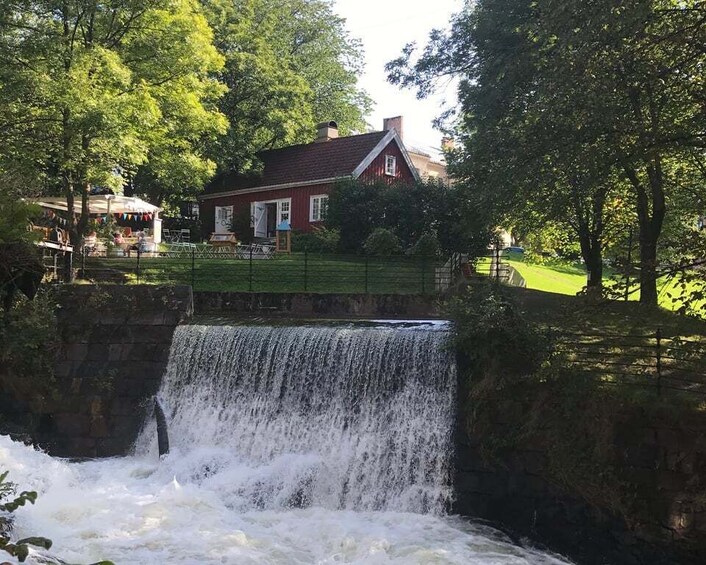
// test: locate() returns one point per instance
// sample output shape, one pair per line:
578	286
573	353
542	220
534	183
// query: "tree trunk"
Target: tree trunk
651	209
592	254
594	268
648	267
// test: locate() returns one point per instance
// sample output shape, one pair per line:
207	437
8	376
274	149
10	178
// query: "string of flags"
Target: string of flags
137	216
54	216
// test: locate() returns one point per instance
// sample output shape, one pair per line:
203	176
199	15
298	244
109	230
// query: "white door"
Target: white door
260	219
224	217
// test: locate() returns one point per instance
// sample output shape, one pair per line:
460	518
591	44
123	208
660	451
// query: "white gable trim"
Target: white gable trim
267	188
384	142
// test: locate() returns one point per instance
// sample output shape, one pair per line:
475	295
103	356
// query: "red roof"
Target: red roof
300	163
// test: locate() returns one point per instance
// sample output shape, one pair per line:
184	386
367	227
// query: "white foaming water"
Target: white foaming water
301	445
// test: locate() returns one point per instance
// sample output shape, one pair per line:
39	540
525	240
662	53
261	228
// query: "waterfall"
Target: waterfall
338	417
288	446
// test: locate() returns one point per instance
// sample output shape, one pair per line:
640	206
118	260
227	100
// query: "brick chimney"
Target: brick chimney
393	123
326	131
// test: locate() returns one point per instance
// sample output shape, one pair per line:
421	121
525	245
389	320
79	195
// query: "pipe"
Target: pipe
162	434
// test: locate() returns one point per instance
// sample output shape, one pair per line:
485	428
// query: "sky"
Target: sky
385	27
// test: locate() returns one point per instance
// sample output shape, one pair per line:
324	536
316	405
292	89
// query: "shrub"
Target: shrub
240	225
493	336
355	209
382	242
426	246
320	240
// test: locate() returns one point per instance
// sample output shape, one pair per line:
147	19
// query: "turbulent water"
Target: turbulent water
289	445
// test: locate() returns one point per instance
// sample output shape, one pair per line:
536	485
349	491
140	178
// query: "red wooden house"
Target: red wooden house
296	181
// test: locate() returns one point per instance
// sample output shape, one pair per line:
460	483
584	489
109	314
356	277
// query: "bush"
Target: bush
382	242
320	240
493	336
240	225
426	246
355	210
28	342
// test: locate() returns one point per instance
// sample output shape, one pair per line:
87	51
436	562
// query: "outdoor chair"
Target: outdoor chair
167	236
186	236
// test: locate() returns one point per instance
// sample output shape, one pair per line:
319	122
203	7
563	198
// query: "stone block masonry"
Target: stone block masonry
312	305
663	472
113	349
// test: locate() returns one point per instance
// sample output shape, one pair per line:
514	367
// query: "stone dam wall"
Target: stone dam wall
663	478
312	305
113	347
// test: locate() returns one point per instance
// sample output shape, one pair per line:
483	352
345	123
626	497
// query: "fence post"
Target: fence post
306	268
250	272
193	269
137	269
658	337
367	259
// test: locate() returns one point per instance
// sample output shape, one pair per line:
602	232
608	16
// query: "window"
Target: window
390	165
284	208
318	207
224	218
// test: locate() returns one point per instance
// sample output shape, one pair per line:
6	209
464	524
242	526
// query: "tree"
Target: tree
579	99
289	64
21	266
409	210
93	91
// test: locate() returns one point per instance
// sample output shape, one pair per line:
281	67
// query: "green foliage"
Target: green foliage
28	340
382	242
319	240
587	114
9	502
15	219
240	225
514	392
289	65
354	210
426	246
409	211
90	95
494	338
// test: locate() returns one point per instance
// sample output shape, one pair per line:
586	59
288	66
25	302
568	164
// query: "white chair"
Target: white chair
185	236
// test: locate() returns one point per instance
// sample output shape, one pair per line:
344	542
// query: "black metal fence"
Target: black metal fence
259	272
641	360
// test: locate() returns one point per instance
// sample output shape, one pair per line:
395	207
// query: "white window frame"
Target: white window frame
320	215
390	165
281	211
281	202
222	215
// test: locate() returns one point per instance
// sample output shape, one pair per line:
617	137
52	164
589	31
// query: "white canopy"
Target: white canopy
101	204
109	204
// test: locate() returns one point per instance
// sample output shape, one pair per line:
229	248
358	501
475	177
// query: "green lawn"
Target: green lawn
558	278
567	278
284	273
